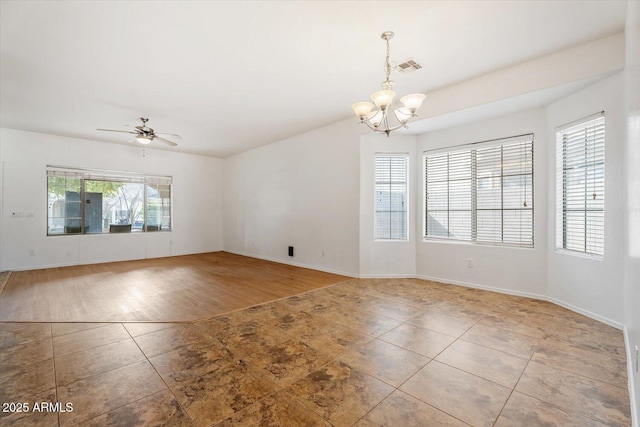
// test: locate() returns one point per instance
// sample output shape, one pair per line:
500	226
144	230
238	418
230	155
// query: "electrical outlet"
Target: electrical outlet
469	262
32	252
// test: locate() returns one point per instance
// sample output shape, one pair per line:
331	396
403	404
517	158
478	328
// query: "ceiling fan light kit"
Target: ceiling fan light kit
145	135
381	120
143	139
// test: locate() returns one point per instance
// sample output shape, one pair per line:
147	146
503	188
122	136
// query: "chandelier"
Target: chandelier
389	116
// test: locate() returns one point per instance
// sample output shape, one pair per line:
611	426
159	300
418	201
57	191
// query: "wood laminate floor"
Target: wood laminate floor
180	288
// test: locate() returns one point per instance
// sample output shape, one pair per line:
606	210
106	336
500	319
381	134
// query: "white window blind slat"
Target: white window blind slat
482	193
104	175
391	196
580	185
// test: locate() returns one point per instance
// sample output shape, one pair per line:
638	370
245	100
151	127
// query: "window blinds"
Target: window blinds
481	192
580	186
105	175
391	197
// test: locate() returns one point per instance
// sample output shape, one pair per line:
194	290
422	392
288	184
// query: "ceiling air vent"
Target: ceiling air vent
408	66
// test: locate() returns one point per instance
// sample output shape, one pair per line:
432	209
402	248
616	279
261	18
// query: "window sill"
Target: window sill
485	244
577	254
111	234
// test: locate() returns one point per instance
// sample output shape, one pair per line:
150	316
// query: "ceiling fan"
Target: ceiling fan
144	134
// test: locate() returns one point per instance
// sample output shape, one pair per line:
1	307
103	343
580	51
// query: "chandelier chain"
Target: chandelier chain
387	66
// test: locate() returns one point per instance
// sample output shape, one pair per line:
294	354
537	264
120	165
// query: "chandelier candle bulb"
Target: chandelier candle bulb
381	120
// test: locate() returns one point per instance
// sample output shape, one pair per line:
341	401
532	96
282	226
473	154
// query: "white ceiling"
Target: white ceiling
231	75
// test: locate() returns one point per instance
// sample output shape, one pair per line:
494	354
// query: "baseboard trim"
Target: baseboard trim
587	313
635	420
556	301
76	263
45	266
294	264
483	287
387	276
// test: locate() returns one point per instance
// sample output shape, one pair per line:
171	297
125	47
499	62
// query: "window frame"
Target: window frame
99	175
586	124
472	150
376	212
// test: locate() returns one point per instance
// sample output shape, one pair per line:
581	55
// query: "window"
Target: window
92	202
580	185
391	197
481	192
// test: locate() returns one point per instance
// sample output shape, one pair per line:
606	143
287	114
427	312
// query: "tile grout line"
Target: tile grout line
279	388
120	367
538	399
159	376
93	348
493	349
578	374
574	373
477	376
330	360
515	385
422	367
422	401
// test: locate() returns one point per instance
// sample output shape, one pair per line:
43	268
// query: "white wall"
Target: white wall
302	192
584	61
197	202
507	269
386	258
632	211
591	285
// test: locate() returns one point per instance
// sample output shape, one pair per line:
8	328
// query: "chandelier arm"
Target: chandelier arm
369	120
400	126
385	120
366	122
410	117
378	129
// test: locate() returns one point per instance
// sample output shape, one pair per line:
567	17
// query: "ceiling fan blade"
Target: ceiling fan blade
169	134
122	131
166	141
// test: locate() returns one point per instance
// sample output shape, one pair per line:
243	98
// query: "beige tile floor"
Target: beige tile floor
364	352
